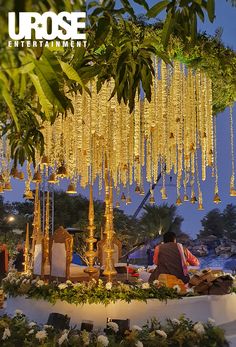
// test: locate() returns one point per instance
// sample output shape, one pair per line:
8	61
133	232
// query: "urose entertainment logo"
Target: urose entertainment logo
48	29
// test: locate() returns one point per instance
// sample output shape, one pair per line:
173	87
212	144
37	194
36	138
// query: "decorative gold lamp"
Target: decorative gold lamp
37	178
61	171
14	172
163	193
186	198
7	186
26	250
53	178
123	197
117	204
178	201
91	254
21	175
71	189
217	199
128	200
45	161
137	189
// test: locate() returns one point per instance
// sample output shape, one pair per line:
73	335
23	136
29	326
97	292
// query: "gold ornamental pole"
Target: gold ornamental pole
26	250
109	270
90	254
35	222
46	231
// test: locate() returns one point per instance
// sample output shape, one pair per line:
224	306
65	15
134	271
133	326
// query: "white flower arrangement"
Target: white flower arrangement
6	334
162	333
177	288
103	340
85	337
175	321
114	326
136	327
145	285
211	321
46	326
41	335
108	285
40	283
156	283
31	332
63	338
18	312
62	286
31	324
199	328
138	344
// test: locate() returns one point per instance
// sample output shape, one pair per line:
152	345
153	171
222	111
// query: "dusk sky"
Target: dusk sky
225	18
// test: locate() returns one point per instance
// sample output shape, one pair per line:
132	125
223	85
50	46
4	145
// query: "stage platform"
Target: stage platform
222	308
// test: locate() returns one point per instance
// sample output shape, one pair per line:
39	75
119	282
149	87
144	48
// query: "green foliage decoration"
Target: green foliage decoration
19	331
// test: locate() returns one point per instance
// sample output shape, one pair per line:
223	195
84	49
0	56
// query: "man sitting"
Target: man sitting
172	260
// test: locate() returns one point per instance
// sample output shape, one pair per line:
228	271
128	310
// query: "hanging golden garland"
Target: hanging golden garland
232	179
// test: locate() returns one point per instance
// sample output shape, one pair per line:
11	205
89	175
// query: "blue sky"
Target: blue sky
225	18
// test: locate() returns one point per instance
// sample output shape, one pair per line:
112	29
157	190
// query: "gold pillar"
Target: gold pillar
35	221
90	254
109	270
26	250
46	231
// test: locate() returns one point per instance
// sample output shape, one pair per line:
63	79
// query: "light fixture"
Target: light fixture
45	161
71	188
37	178
28	195
7	186
200	207
137	190
186	198
21	175
117	204
178	201
123	197
193	199
14	172
152	200
216	199
53	178
61	171
128	200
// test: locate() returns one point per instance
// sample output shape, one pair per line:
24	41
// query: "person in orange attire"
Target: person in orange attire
172	261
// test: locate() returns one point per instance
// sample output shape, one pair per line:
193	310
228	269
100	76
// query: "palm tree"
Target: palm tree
156	220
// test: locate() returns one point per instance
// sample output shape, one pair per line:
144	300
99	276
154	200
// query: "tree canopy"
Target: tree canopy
36	83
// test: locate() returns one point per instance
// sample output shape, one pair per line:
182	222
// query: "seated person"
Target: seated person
172	260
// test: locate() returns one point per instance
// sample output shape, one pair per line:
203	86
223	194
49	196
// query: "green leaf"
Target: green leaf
44	102
8	99
103	30
142	3
156	9
167	28
71	73
211	10
49	84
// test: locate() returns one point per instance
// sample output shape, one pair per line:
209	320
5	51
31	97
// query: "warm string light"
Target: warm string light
156	135
162	131
216	196
232	179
